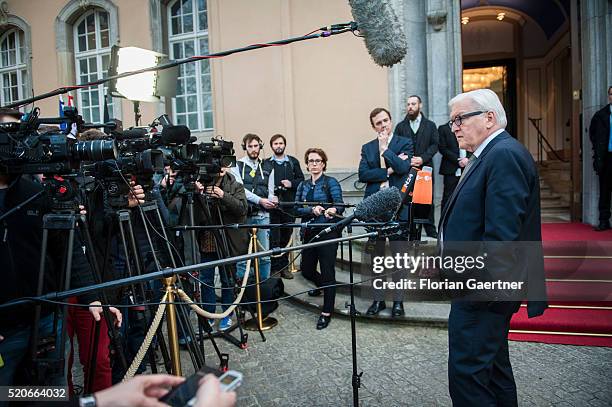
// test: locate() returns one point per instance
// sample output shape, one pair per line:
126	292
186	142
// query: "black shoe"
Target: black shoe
602	226
314	293
376	307
323	321
398	309
431	232
286	274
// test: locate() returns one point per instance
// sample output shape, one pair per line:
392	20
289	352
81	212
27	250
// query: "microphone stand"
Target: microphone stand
356	378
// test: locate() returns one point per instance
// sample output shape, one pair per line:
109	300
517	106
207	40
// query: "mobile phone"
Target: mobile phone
183	393
230	380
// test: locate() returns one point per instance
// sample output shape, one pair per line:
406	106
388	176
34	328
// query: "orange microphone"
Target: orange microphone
423	187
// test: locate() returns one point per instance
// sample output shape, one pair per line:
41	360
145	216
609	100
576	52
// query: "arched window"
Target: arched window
13	66
188	36
92	49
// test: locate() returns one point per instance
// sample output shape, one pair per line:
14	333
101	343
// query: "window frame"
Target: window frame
21	66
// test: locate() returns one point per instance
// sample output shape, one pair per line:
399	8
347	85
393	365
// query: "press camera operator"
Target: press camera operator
20	251
225	202
287	177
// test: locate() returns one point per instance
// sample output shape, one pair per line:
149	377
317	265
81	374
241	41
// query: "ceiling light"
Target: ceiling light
465	20
500	16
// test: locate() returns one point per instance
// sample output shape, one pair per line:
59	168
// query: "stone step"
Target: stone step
556	204
554	165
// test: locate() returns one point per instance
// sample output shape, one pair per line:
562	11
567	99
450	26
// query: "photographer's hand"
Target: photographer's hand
96	311
143	390
266	203
286	183
210	395
136	195
318	210
215	192
330	213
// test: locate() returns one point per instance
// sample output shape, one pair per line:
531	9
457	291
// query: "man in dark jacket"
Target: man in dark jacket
454	159
385	162
20	250
424	136
600	132
287	177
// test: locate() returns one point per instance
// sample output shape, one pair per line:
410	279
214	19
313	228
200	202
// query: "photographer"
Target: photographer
20	251
225	202
257	176
287	177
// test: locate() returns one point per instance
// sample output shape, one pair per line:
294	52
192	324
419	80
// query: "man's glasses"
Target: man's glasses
317	161
458	120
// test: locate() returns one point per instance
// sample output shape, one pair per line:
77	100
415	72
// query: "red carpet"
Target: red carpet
579	289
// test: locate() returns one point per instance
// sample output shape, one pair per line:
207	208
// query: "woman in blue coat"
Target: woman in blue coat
323	189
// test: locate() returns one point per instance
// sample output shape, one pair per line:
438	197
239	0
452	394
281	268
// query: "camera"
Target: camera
204	160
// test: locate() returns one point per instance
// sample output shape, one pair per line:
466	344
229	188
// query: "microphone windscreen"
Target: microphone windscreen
423	187
383	34
175	135
138	132
380	206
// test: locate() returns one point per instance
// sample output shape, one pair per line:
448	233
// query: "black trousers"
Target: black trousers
450	183
396	275
326	257
605	189
279	237
479	369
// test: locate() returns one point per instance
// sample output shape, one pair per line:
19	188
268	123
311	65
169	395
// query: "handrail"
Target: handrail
356	184
541	137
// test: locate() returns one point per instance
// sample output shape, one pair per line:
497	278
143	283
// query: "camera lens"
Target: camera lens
95	150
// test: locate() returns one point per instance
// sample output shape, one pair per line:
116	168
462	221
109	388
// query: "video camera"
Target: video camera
204	161
24	150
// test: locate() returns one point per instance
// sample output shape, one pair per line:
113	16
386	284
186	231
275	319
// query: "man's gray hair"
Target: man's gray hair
483	99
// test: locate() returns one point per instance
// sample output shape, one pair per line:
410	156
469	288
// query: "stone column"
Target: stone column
596	30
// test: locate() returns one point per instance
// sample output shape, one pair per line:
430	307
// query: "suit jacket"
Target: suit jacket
449	148
373	174
599	132
497	202
425	141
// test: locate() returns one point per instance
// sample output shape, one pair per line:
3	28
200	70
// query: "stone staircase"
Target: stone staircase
555	190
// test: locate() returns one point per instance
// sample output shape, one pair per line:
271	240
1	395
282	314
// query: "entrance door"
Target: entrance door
500	77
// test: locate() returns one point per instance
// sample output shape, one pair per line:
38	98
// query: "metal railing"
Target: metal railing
542	140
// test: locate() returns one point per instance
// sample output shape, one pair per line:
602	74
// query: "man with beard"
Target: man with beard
424	136
257	176
287	176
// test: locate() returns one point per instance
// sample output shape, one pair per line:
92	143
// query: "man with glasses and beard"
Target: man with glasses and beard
287	176
424	136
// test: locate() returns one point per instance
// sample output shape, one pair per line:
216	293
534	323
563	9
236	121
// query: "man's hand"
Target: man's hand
199	187
96	311
383	142
416	161
462	162
210	395
330	213
1	338
143	390
390	171
318	210
215	192
136	195
266	203
286	183
403	156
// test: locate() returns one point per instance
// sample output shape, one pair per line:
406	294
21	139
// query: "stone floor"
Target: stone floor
403	365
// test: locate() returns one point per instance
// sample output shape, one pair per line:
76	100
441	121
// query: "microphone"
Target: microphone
175	135
380	206
137	132
382	32
422	197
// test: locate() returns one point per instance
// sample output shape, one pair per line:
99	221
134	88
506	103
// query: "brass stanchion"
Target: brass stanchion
259	324
172	330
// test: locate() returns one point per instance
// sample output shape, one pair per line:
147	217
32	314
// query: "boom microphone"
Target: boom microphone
382	32
380	207
422	196
175	135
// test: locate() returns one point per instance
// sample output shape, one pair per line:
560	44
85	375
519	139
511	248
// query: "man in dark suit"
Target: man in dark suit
454	159
600	132
424	136
385	162
497	205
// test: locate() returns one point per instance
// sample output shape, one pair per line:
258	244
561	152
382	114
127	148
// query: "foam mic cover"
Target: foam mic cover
175	135
423	187
380	206
138	132
383	34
